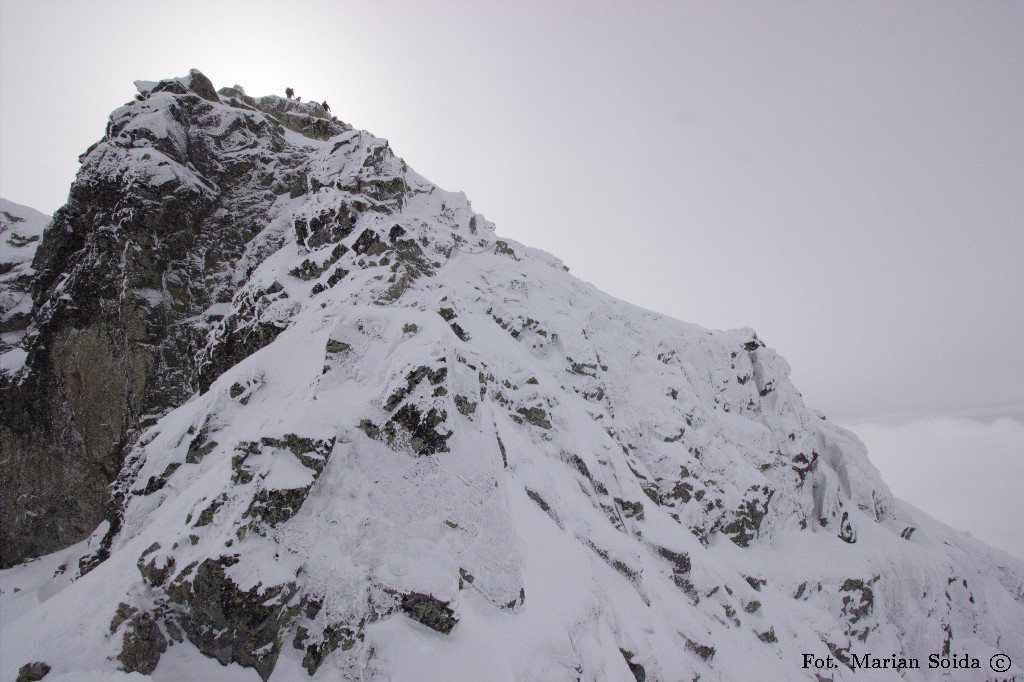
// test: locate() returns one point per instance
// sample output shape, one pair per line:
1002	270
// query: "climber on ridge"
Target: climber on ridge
326	106
289	92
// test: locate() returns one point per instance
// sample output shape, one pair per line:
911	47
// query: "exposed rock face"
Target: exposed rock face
130	289
32	672
322	416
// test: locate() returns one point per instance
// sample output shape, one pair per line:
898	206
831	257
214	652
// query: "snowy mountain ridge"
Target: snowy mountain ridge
350	433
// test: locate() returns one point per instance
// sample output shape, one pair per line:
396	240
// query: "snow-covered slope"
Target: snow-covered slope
21	228
397	447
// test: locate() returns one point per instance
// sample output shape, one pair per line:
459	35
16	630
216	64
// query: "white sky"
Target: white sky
845	178
966	472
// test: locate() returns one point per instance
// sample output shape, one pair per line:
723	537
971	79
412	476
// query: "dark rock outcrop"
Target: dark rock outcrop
33	672
160	217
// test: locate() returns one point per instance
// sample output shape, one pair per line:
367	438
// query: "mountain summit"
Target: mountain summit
282	409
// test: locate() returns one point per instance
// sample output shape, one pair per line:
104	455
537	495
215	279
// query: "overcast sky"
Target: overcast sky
845	178
966	472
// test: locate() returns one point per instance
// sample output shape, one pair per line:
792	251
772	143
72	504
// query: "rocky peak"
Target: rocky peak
299	407
165	217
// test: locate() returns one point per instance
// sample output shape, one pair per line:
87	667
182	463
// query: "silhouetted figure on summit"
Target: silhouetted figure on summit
326	106
289	92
